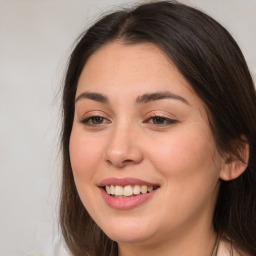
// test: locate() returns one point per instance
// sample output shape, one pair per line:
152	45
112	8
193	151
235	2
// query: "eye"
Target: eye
94	120
160	121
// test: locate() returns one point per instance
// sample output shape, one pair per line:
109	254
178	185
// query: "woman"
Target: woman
158	137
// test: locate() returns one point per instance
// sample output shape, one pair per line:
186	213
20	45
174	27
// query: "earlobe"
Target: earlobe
234	166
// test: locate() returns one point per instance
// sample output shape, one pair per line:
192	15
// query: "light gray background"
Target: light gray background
35	40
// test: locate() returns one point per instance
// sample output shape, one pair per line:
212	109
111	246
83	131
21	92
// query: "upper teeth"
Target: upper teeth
128	190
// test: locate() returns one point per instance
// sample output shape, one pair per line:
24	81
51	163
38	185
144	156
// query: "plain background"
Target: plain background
36	37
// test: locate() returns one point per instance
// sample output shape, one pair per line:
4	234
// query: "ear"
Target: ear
233	166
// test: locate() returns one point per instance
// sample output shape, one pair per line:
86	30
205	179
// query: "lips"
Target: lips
124	182
126	193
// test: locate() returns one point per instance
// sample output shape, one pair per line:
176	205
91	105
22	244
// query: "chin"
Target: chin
125	237
129	231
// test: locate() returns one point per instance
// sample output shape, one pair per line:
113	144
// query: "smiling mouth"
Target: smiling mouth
129	190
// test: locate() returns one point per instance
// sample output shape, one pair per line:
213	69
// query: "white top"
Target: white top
225	249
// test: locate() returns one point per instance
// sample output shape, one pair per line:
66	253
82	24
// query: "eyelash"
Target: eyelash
153	119
164	120
89	120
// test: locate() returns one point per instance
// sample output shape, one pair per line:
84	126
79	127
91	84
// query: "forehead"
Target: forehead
138	68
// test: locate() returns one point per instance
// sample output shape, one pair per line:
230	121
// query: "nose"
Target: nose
122	148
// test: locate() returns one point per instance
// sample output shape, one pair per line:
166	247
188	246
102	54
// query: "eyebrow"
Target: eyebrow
93	96
145	98
160	96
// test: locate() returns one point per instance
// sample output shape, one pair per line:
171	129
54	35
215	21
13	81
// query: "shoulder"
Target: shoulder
225	248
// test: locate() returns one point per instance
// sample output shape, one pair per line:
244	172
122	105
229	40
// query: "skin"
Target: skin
180	156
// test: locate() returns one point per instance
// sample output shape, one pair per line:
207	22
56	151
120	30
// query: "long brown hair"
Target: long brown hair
211	61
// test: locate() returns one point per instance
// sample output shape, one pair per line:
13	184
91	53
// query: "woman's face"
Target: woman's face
142	153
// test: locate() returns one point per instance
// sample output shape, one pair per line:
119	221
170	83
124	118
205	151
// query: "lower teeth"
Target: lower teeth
127	196
121	196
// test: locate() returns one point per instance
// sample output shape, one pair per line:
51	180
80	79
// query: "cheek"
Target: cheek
187	154
190	174
85	153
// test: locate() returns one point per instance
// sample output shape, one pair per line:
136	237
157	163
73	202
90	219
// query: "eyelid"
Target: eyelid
89	115
94	113
160	113
169	120
154	114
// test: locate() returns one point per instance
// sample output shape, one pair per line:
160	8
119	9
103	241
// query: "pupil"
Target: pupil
97	119
158	120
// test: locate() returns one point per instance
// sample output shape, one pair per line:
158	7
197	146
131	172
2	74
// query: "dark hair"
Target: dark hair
211	61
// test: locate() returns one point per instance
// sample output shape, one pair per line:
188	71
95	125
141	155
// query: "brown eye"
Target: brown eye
97	120
158	120
94	120
161	121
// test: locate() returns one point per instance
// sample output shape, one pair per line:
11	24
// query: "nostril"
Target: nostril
127	161
120	164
